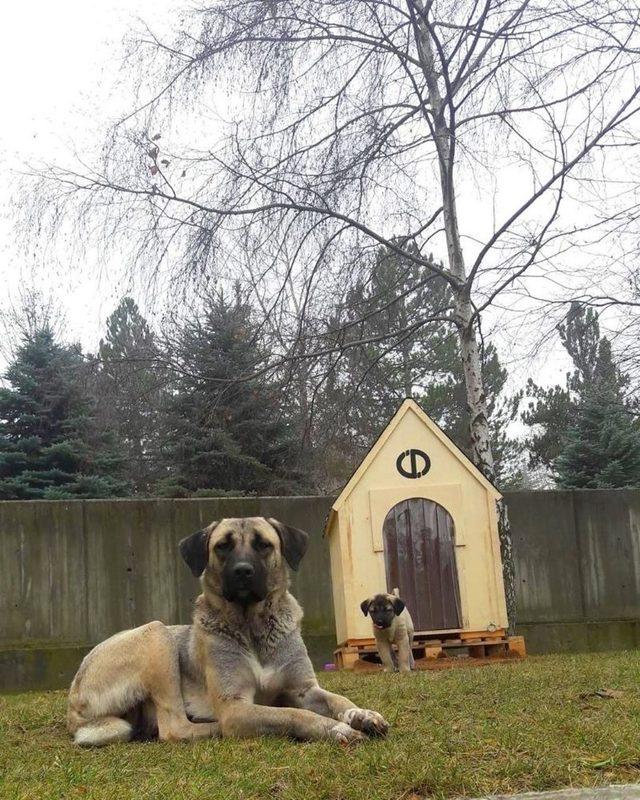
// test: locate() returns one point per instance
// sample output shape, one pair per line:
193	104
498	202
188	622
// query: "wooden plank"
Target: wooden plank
449	570
446	632
420	566
390	540
497	634
360	642
479	655
456	636
516	646
434	569
344	658
419	551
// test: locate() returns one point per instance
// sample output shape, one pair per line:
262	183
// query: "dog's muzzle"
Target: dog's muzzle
242	584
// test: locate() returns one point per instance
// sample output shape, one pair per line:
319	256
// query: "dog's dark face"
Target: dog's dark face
382	608
243	559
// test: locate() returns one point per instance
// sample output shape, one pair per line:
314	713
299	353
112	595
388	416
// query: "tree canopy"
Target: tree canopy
225	432
586	432
50	446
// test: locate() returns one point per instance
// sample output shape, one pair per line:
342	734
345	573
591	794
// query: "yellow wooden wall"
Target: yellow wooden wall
355	530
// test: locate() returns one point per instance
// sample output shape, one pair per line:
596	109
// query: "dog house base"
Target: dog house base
442	648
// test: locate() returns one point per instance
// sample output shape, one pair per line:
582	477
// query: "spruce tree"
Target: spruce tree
602	448
584	432
49	445
129	388
225	433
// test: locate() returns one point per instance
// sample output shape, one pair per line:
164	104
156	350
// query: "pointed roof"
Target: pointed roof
410	406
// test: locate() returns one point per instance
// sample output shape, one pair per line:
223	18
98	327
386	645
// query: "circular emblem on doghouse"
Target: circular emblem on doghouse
413	463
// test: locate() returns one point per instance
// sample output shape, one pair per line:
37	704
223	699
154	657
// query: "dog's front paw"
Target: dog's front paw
345	734
369	722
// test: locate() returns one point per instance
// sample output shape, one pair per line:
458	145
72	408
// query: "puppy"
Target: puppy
392	624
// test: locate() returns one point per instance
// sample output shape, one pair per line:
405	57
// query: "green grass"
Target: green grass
505	728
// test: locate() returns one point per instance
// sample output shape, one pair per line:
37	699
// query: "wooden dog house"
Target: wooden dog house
419	516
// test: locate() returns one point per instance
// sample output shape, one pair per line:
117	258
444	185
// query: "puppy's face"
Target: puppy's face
382	608
243	559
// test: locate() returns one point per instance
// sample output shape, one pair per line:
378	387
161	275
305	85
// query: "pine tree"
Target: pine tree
224	430
602	447
49	446
129	388
551	410
581	431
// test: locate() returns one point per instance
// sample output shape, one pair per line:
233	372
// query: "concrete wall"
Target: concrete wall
72	573
577	561
79	571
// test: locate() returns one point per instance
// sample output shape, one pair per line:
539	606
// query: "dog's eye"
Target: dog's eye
262	545
223	547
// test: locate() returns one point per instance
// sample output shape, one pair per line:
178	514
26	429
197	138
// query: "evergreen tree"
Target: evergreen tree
49	445
549	415
602	448
585	432
225	432
129	387
551	411
410	351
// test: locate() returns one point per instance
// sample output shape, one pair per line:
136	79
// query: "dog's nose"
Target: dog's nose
243	570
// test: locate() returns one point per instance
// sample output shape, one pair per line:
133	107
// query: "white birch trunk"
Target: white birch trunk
463	310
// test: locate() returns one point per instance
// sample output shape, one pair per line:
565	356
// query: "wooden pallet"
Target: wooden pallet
427	648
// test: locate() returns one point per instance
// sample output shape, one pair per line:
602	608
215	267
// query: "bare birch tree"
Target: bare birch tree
277	139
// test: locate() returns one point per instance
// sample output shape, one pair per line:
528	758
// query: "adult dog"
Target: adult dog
392	624
241	669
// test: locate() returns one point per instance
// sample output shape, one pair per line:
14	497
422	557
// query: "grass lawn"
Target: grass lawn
503	728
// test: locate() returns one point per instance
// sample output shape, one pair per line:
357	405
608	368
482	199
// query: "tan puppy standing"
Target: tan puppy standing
392	624
240	670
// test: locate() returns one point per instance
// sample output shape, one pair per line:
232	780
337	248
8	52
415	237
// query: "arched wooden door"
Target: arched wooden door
419	539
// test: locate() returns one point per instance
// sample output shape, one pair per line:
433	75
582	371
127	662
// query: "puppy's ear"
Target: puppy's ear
364	605
293	542
195	551
398	606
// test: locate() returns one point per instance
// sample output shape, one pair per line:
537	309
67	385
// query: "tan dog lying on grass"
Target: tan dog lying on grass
392	624
240	670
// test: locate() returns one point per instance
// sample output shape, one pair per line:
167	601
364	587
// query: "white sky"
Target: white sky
59	62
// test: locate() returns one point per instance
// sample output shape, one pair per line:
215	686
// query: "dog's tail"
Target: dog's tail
91	726
396	592
105	730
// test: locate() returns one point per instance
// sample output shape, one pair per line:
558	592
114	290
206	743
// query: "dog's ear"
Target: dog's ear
398	606
194	550
364	605
293	542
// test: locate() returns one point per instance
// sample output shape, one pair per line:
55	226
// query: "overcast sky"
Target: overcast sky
60	62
